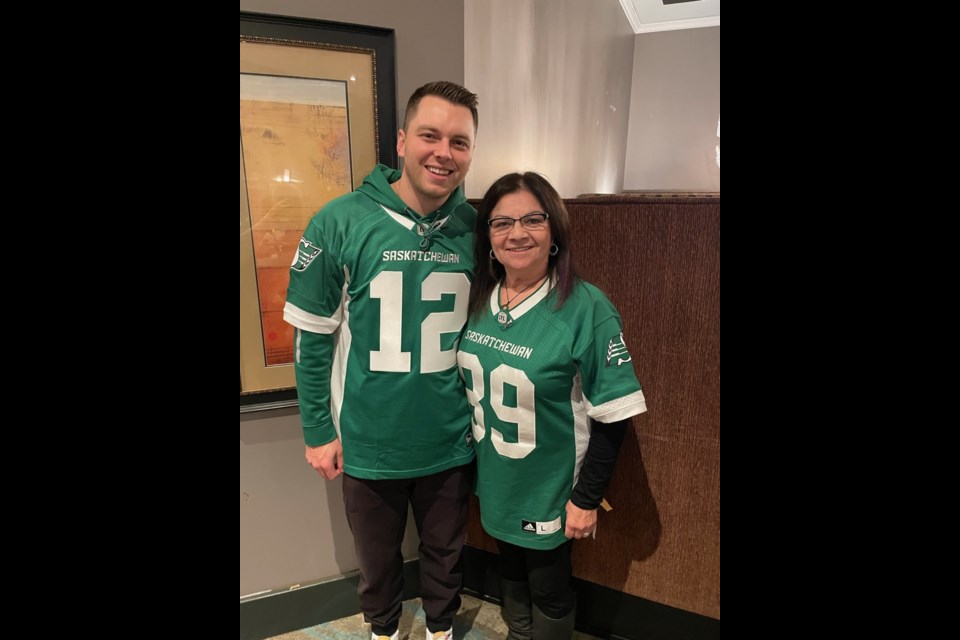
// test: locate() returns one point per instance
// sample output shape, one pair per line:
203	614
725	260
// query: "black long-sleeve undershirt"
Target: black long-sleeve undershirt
597	469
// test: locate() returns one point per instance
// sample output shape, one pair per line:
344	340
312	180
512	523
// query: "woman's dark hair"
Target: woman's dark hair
487	271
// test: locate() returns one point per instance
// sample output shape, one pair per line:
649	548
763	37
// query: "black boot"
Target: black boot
546	628
516	609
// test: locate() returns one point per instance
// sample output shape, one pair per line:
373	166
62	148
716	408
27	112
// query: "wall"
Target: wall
662	539
292	526
293	529
553	77
674	112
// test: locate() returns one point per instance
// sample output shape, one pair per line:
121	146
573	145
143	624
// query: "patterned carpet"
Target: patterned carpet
476	620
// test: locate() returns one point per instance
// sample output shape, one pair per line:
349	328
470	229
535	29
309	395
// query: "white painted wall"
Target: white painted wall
674	112
553	77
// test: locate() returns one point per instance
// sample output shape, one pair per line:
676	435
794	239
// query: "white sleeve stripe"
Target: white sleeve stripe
310	322
619	409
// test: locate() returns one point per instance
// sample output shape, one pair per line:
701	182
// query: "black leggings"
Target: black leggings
548	573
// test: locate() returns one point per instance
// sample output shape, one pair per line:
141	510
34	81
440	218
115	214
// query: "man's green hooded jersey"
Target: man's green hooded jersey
378	296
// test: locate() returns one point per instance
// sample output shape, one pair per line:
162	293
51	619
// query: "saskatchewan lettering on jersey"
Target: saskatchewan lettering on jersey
498	344
420	256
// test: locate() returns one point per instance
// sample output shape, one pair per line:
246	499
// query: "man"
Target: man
378	296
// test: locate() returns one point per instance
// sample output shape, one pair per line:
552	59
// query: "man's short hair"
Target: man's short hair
449	91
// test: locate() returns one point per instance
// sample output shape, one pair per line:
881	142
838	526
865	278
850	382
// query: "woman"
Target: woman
542	354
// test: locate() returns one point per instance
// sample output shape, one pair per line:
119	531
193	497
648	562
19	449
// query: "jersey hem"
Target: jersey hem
546	543
374	474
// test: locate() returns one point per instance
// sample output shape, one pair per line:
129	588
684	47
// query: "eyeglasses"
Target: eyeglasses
535	221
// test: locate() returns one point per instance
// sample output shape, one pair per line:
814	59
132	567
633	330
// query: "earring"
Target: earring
554	249
492	256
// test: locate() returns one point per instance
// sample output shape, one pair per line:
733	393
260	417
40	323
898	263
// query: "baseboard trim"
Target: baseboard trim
285	611
601	611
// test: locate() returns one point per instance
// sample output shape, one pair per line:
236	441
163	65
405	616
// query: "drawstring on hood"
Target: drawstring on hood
427	231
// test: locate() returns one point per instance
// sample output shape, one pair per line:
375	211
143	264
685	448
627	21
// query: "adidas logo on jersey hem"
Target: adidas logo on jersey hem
540	528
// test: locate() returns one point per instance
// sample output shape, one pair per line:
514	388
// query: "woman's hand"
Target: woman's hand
580	522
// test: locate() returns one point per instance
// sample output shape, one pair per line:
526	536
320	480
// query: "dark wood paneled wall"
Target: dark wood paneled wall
658	259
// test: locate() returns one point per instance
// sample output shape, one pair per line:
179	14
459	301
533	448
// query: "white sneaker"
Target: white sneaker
440	635
395	635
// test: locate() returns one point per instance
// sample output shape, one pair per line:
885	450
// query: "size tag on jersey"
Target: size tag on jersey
540	528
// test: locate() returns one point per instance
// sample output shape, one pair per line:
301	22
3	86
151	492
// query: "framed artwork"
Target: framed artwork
317	112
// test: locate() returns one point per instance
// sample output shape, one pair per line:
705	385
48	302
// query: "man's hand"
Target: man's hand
327	459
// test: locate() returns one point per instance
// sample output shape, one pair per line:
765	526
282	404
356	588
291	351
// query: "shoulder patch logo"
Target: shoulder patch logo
617	353
306	252
528	526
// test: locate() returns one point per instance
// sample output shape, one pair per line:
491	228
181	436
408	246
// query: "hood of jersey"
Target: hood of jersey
377	186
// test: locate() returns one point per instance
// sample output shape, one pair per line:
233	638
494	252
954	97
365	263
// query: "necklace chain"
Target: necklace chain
506	305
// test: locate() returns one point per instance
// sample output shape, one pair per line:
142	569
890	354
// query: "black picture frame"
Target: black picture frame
274	390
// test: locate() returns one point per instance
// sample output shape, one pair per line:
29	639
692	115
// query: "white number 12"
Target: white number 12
388	288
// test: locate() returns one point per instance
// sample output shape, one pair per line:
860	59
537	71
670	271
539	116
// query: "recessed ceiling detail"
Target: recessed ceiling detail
665	15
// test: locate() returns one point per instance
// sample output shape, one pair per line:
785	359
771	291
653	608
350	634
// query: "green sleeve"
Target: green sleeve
313	359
